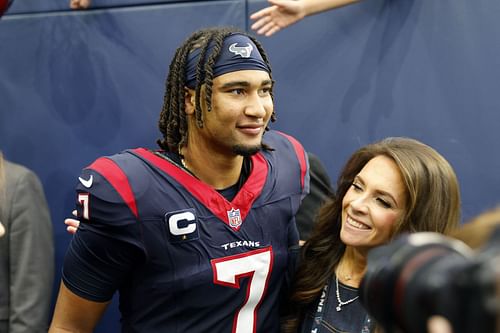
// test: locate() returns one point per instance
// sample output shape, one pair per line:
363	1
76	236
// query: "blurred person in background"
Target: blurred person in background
26	251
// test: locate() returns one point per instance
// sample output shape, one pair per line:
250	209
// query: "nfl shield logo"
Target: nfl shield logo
234	217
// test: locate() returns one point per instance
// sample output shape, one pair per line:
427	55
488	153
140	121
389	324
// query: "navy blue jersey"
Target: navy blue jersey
183	258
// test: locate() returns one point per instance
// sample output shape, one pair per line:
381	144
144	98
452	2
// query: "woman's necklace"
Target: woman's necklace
337	293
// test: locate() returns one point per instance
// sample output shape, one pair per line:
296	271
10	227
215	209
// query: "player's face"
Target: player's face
241	109
373	204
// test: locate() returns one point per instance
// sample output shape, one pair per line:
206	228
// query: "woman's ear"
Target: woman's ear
189	100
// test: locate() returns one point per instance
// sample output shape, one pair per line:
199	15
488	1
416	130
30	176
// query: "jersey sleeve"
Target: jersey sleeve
107	246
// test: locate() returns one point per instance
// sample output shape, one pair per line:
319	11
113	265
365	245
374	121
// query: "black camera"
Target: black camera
424	274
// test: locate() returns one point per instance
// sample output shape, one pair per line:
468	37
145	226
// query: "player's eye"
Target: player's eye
237	91
265	91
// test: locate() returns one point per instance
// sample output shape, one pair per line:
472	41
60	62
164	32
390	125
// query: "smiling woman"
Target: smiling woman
386	188
373	204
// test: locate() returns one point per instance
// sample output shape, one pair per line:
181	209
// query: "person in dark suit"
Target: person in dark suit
26	251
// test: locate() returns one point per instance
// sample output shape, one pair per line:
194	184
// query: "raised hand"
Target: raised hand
280	15
79	4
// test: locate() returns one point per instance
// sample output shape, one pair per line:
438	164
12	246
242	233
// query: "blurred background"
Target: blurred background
75	85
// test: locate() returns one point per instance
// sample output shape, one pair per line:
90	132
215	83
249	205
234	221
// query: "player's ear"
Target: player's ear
189	100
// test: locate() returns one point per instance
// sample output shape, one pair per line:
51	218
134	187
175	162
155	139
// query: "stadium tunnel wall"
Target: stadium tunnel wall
75	85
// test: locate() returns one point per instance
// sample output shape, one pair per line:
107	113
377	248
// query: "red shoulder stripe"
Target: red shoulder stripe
118	179
301	155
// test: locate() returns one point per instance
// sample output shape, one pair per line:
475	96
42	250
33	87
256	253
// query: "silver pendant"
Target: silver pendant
338	308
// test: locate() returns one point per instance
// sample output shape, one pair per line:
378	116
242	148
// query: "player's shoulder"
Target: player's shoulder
123	163
112	180
285	148
280	138
287	158
116	171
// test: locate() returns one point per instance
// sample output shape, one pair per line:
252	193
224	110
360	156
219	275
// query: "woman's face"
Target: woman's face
373	204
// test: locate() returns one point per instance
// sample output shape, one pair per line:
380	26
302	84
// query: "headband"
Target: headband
238	53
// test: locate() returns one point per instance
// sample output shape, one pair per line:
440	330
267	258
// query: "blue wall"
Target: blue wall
77	85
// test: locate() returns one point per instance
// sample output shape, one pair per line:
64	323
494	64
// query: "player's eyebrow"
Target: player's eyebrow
234	84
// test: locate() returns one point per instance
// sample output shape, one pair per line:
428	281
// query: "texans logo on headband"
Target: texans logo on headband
244	51
237	53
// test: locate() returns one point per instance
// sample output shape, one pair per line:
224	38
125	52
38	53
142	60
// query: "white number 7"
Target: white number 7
254	265
83	199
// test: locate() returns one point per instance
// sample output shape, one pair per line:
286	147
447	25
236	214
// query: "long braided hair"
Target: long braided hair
173	121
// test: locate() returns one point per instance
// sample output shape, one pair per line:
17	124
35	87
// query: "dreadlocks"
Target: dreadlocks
173	122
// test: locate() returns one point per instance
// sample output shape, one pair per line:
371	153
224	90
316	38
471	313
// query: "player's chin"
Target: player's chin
247	149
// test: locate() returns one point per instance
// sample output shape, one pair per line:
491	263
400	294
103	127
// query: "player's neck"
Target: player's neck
217	170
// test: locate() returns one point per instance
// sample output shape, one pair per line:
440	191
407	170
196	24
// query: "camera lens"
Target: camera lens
407	280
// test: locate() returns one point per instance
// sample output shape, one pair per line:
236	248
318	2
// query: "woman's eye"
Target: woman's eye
356	187
384	203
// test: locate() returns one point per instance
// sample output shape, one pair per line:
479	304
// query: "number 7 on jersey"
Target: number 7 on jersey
254	265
